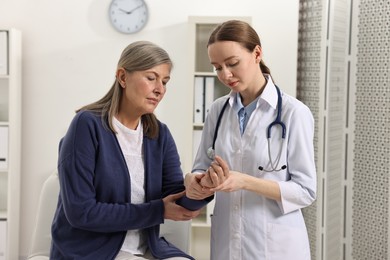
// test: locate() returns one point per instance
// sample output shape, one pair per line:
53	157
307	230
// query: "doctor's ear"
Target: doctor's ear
258	52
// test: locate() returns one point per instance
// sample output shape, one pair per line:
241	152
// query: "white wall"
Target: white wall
70	53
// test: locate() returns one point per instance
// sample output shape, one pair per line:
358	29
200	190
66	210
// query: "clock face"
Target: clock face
128	16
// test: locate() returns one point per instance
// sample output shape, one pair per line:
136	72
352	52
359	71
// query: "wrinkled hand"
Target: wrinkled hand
216	174
194	189
177	212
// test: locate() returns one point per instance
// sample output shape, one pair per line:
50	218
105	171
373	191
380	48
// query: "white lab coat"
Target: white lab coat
245	225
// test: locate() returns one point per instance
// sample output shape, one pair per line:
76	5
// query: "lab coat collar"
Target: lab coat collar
269	94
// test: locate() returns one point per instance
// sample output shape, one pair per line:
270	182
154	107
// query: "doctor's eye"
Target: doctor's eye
233	64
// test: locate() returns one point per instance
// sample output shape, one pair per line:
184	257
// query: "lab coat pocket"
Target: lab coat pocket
285	242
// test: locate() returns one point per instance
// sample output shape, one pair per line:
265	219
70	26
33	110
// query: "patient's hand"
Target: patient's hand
206	181
194	190
216	174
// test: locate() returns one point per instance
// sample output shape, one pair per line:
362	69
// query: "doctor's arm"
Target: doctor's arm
229	181
300	190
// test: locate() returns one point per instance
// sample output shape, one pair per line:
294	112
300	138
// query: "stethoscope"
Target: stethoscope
277	121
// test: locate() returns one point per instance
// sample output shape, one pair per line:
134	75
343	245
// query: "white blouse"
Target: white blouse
131	142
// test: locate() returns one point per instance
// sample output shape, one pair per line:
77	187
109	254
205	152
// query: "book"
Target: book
199	100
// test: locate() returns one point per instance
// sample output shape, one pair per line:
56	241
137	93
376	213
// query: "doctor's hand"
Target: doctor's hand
194	189
216	174
235	181
176	212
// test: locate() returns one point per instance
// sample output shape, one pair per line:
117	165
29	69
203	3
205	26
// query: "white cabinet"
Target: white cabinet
10	141
206	88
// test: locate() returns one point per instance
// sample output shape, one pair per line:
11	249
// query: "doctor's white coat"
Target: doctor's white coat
245	225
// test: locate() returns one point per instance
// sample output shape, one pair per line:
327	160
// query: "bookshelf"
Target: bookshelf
10	141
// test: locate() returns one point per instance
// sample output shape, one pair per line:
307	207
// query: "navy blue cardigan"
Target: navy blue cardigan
94	209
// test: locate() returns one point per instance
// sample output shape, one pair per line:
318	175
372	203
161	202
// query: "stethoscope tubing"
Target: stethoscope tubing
277	121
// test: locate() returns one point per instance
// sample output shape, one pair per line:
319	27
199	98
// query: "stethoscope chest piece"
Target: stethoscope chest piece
211	153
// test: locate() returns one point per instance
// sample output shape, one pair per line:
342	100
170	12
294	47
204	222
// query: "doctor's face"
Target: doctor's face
236	67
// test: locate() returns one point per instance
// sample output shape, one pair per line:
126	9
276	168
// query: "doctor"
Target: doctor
258	159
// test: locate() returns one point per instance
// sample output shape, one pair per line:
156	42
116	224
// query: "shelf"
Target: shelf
210	74
10	143
3	215
197	223
197	126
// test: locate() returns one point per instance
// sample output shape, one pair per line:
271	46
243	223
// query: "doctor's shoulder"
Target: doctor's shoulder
216	109
217	105
295	107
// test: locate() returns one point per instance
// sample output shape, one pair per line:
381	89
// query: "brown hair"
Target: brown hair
240	32
137	56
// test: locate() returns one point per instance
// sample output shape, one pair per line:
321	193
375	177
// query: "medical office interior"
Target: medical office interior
333	55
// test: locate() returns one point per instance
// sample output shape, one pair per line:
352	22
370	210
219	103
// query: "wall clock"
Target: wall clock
128	16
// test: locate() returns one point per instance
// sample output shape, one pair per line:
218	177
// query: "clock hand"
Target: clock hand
123	10
129	12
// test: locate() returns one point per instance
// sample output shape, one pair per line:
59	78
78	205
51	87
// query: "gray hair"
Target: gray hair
137	56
